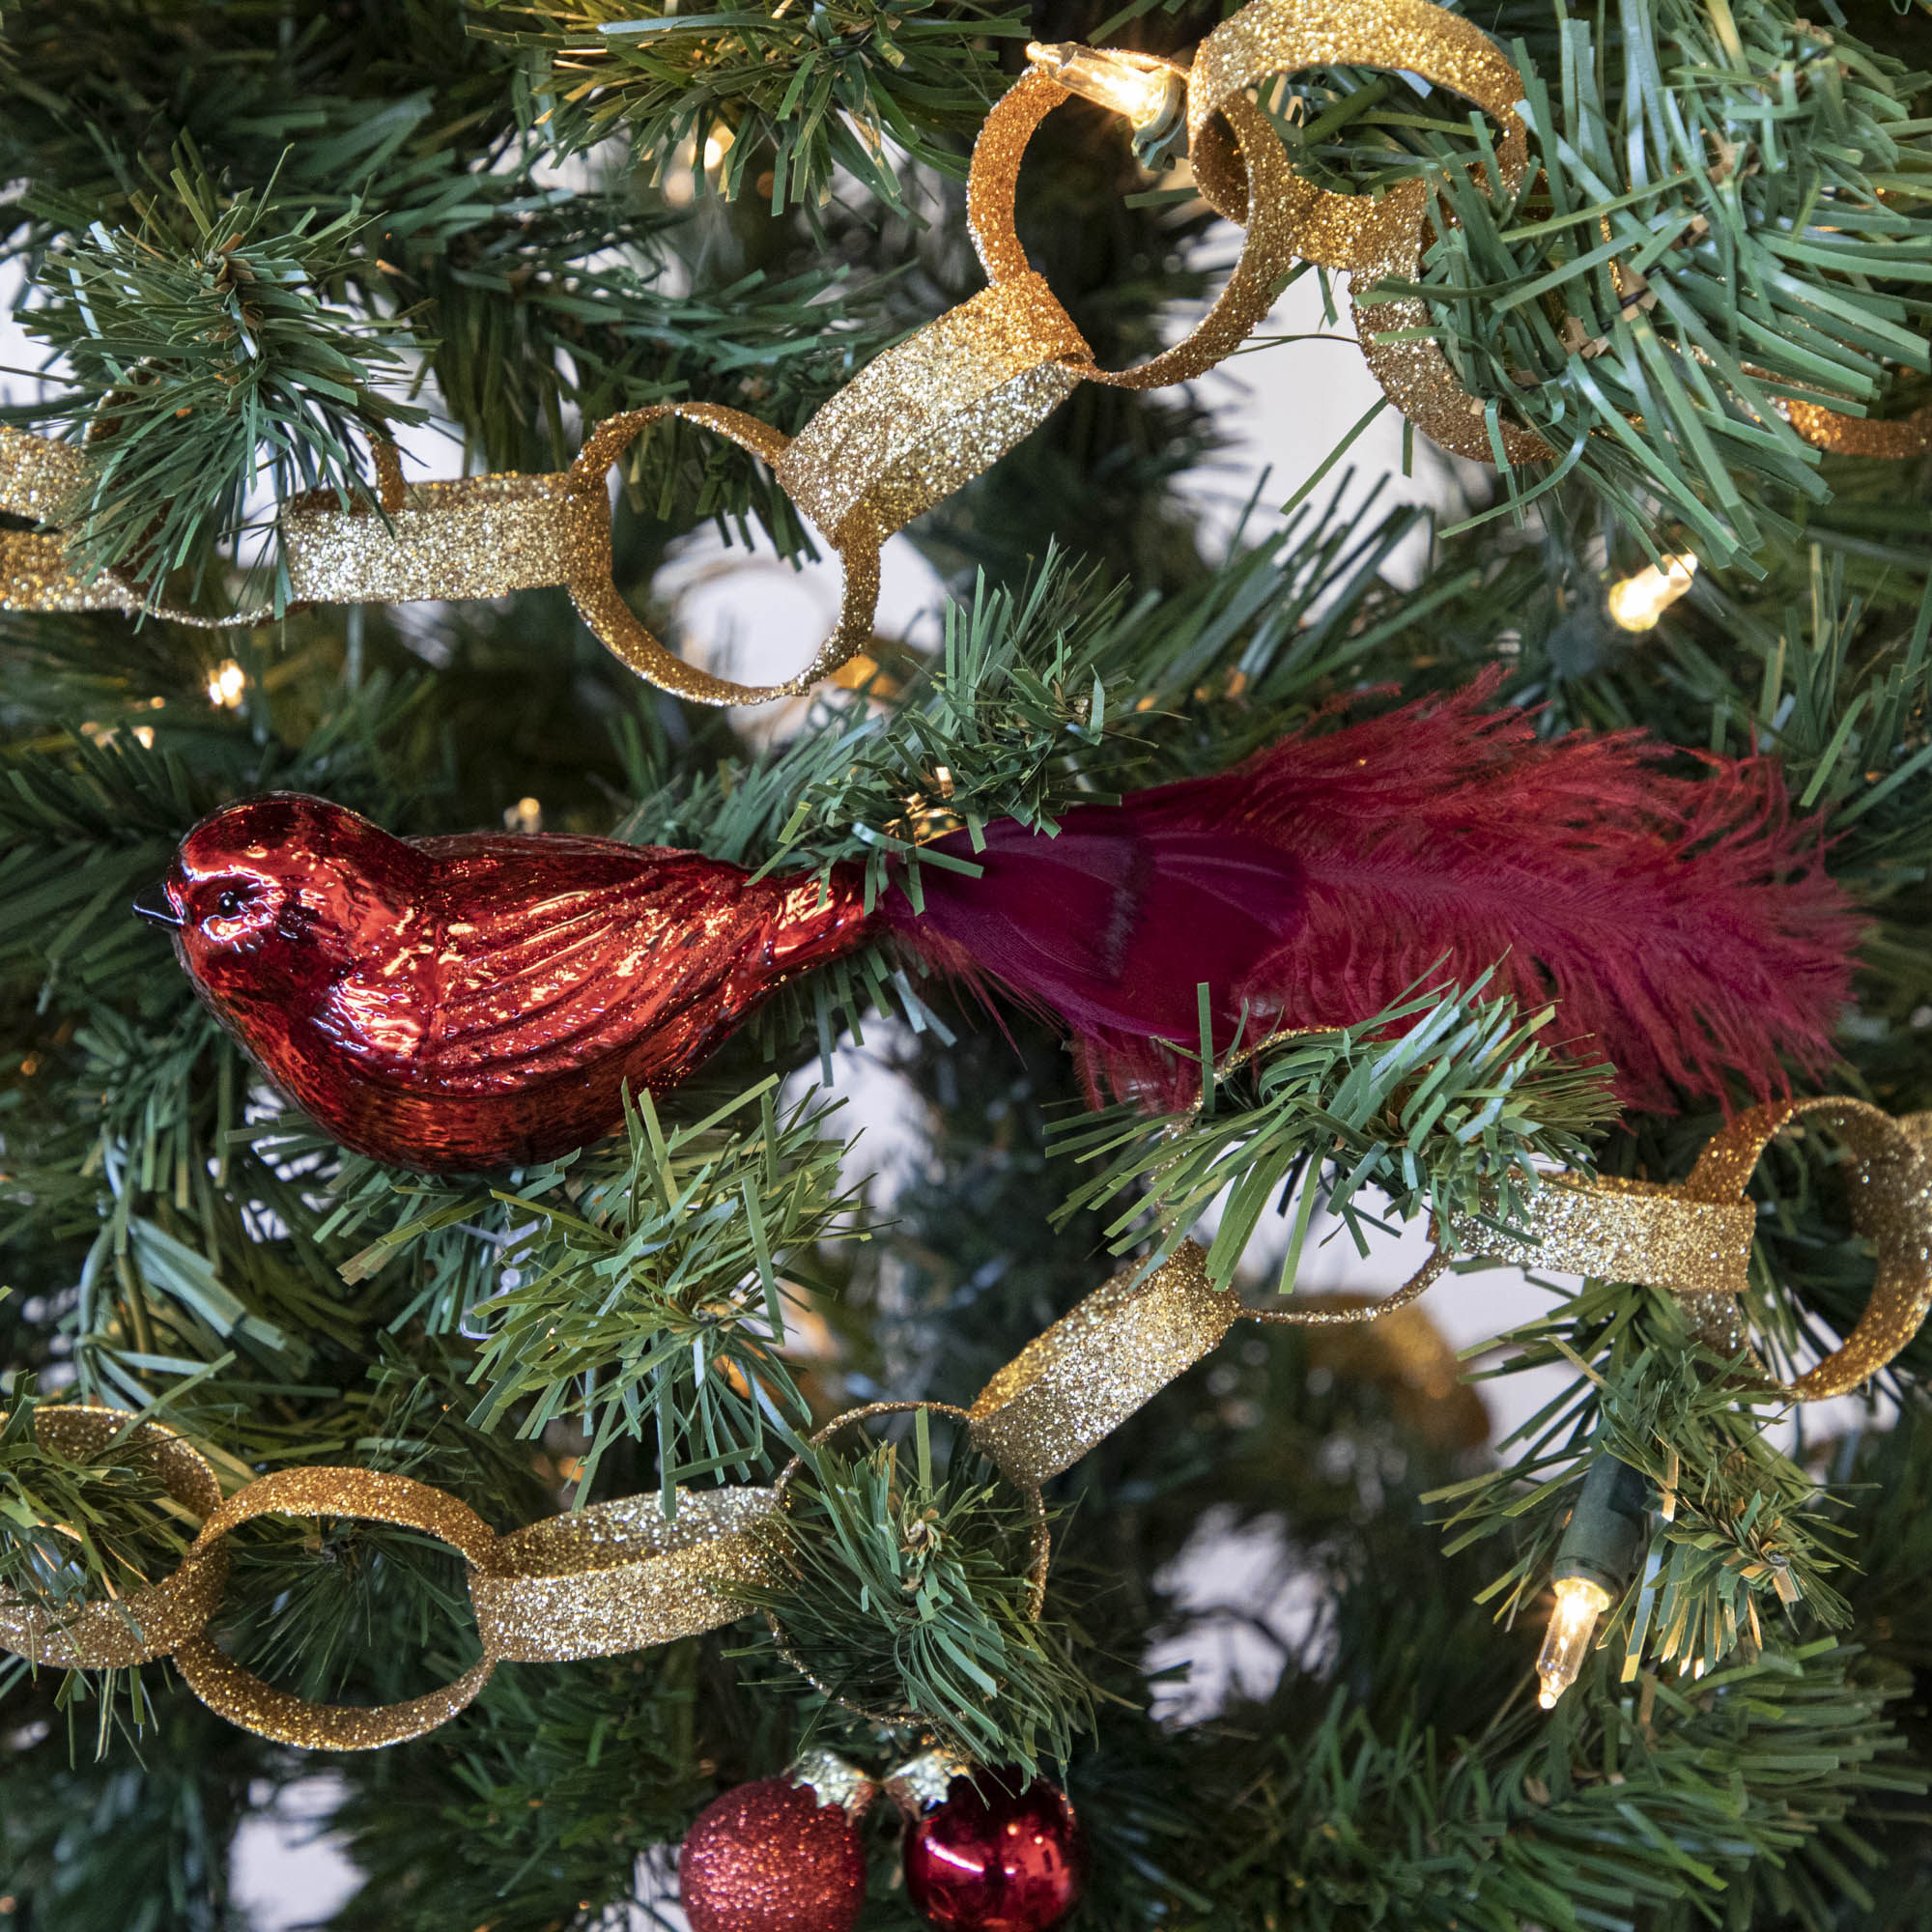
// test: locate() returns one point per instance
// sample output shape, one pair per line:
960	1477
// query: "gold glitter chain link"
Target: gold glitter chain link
620	1576
933	412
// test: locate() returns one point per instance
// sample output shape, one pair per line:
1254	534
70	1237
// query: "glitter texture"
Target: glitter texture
44	479
1860	435
587	575
1266	253
1696	1239
1098	1364
370	1495
1625	1230
929	416
142	1624
1889	1194
1269	37
833	1780
619	1576
1376	239
241	1698
477	538
34	577
38	477
770	1858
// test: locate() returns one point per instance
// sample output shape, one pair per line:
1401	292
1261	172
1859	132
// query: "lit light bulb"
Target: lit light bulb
226	686
717	145
526	815
1573	1623
1638	601
1145	97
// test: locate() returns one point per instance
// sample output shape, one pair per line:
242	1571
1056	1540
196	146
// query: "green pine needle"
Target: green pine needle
211	354
805	91
632	1290
74	1532
1446	1101
904	1585
1747	1522
1700	234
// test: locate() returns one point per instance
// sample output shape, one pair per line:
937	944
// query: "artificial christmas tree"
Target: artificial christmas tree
1570	903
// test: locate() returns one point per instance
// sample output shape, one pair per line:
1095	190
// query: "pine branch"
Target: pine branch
649	1307
173	1813
369	98
904	1582
74	1530
1060	691
550	309
1699	1801
1445	1102
554	1784
208	350
531	303
785	99
1743	1523
1714	238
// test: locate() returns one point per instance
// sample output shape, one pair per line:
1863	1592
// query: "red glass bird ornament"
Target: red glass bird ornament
482	1000
478	1001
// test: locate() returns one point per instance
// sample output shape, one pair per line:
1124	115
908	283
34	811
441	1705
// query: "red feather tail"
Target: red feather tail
1684	926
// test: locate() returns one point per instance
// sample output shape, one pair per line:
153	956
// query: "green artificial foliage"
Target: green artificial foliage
782	96
1443	1103
1547	1827
75	1522
903	1578
646	1297
565	1774
1723	209
1742	1525
256	237
224	313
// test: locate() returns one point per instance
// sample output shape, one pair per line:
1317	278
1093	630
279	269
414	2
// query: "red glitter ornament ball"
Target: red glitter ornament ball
770	1857
995	1856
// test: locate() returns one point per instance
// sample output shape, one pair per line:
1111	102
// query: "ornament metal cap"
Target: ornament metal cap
920	1784
831	1781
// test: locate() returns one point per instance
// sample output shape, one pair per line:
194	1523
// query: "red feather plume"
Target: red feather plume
1684	926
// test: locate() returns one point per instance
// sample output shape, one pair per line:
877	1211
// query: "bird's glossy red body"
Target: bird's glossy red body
478	1001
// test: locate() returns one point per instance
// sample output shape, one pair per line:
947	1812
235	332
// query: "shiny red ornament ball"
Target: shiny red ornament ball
994	1857
770	1858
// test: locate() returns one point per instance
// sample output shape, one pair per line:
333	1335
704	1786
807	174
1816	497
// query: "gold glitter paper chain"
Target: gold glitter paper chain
479	536
1695	1237
935	411
622	1576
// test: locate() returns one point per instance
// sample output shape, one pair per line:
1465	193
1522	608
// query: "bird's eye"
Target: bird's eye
229	904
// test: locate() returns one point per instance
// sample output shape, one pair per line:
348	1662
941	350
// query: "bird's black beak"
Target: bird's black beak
153	906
